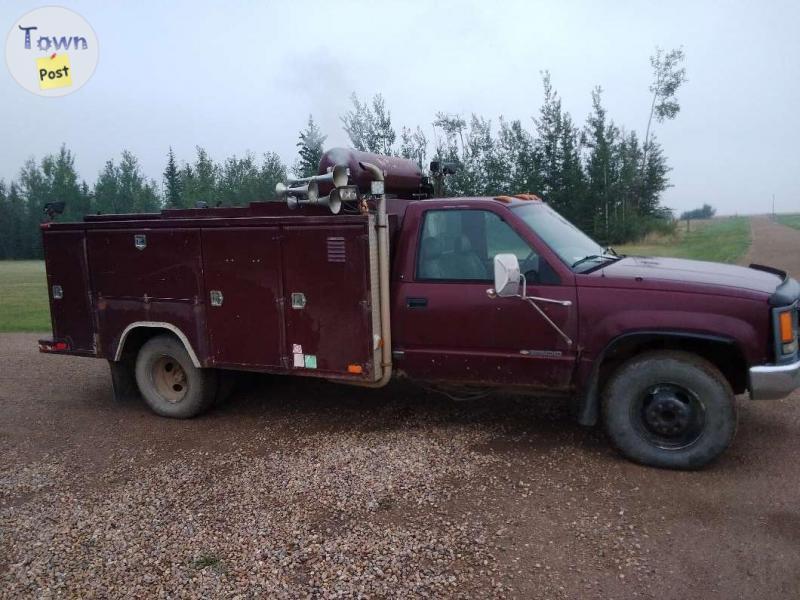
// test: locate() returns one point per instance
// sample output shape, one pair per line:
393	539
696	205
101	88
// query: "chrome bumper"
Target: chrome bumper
771	382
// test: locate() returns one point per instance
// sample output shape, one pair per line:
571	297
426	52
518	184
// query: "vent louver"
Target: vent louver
336	250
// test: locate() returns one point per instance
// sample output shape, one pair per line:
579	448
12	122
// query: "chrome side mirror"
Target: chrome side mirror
506	275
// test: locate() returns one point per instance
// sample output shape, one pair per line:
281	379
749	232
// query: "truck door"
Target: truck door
242	295
448	329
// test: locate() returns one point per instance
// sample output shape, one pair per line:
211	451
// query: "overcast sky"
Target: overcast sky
237	76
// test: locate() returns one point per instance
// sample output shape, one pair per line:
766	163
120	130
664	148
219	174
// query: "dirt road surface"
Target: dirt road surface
306	489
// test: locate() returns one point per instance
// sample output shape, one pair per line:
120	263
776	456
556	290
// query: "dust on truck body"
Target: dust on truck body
477	293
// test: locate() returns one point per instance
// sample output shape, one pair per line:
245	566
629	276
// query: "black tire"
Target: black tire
672	410
170	384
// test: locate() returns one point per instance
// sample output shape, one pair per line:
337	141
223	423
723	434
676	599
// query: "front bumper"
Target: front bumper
772	382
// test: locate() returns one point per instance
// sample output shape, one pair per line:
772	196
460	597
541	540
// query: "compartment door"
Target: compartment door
327	299
242	294
67	274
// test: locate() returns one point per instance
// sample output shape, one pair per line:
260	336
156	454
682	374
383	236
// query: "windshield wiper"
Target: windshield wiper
595	257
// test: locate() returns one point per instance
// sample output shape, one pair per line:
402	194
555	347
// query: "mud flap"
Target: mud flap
123	381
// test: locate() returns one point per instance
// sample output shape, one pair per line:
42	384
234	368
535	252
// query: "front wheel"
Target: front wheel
170	384
673	410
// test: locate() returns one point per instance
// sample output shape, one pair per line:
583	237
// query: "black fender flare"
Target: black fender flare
588	395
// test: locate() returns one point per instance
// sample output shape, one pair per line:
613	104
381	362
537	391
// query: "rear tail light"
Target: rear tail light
53	346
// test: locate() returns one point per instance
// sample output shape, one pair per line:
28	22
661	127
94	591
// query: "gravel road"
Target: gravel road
306	489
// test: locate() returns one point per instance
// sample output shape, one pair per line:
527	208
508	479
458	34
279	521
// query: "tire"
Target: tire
170	384
672	410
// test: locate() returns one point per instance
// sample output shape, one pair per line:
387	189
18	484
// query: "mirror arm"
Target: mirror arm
549	300
550	322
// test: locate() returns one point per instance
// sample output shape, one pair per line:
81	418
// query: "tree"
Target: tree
517	159
414	145
61	181
15	237
238	182
704	212
370	127
6	224
106	190
601	167
137	194
668	76
548	137
199	181
272	172
310	150
35	192
123	188
172	182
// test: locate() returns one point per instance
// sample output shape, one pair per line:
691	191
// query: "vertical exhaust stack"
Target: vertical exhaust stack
377	188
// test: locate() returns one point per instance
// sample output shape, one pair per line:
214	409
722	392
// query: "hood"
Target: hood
693	272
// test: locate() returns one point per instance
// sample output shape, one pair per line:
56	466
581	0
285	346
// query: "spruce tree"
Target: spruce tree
309	150
172	182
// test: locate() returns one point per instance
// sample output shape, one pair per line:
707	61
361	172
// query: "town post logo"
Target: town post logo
51	51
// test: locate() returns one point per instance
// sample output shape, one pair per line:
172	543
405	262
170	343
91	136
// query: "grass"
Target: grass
720	240
23	296
790	220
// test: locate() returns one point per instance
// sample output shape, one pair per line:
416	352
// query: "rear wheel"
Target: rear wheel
170	384
669	409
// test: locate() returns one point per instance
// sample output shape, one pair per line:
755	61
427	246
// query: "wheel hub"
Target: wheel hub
667	415
170	379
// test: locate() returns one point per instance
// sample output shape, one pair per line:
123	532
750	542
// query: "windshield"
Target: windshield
574	247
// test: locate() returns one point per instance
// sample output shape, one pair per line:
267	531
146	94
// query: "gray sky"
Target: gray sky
237	76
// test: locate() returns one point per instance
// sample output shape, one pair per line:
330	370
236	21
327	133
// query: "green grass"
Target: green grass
719	240
790	220
23	296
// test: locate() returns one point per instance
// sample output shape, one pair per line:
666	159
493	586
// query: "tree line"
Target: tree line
600	175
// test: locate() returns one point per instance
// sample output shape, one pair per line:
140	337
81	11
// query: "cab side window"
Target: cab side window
460	245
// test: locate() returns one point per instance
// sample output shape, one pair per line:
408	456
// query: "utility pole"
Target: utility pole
773	207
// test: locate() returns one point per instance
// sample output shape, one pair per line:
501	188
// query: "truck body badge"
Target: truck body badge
216	297
58	292
542	353
140	241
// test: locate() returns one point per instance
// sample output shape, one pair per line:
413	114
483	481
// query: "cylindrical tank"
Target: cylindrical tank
402	177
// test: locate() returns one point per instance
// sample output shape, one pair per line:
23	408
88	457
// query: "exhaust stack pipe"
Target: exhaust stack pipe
377	188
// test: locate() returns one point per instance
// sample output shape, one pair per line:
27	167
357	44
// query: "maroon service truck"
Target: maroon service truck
476	294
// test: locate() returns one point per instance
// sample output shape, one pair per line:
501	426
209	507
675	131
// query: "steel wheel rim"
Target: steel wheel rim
169	379
669	416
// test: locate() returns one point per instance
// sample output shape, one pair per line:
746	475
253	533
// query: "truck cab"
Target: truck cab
659	346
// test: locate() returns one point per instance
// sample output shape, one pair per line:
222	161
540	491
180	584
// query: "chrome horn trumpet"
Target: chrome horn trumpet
306	190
